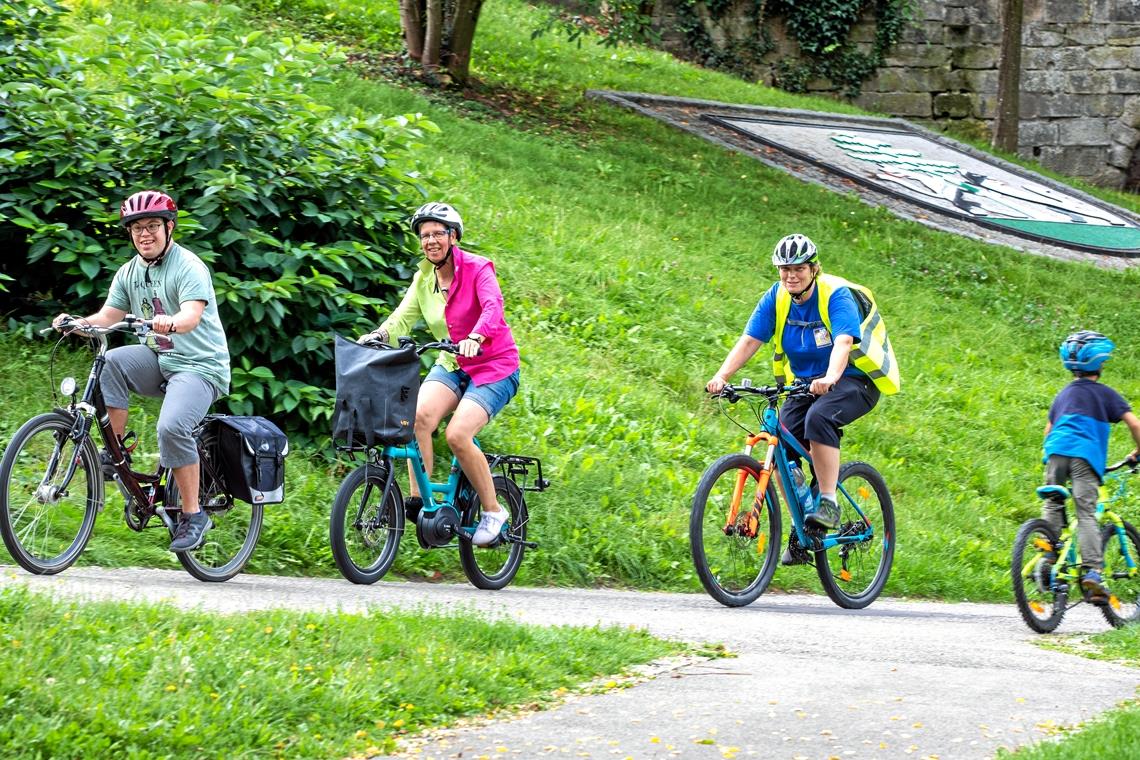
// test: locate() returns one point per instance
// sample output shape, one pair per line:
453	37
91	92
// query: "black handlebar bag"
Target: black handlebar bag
376	392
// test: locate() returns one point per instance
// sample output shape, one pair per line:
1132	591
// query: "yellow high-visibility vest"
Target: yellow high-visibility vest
872	354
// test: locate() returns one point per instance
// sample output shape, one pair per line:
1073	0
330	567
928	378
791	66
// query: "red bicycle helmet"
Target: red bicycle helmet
147	204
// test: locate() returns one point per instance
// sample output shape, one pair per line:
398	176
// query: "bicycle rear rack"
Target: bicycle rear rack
512	465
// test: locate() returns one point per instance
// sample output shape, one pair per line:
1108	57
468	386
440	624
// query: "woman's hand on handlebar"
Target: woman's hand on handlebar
467	348
716	384
379	336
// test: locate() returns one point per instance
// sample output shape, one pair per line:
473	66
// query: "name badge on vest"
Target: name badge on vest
822	337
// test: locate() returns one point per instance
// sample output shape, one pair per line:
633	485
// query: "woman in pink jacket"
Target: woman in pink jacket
457	295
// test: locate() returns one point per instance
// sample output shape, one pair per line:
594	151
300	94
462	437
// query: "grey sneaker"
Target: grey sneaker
190	533
825	515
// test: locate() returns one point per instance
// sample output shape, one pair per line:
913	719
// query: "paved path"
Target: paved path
897	680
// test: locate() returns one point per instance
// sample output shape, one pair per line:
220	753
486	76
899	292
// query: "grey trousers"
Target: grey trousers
1060	470
186	399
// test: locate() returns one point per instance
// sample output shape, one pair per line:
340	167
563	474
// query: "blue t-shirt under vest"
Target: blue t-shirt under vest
1082	415
806	341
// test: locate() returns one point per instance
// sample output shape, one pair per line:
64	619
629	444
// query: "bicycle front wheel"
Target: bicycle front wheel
229	544
734	531
1040	602
853	574
493	567
1121	574
44	521
365	534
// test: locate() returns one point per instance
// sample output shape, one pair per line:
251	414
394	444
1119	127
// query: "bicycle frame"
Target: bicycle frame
778	440
136	487
1068	569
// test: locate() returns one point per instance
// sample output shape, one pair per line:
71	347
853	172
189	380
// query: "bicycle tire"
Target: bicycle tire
1123	606
727	565
1040	605
493	567
46	534
365	548
229	545
853	575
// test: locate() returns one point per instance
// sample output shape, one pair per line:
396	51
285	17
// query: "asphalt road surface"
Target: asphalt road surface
899	679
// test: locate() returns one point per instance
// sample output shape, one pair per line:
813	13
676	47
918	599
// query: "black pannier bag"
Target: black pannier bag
376	391
253	458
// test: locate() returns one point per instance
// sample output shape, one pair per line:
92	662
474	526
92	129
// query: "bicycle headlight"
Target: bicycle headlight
67	386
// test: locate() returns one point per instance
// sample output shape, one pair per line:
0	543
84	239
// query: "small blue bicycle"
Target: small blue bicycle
734	525
368	518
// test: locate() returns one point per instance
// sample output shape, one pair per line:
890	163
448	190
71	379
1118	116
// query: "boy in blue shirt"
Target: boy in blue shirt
1076	447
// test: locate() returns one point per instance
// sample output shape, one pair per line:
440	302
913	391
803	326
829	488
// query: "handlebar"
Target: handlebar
734	393
449	346
129	323
1133	465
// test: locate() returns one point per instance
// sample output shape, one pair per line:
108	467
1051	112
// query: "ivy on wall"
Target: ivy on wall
822	28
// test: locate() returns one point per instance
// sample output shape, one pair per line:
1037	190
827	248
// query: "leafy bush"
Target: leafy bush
298	212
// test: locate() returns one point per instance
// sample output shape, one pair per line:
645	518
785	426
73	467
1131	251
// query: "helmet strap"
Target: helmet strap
166	249
442	263
805	293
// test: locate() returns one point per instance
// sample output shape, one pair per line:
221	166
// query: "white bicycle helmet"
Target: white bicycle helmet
438	212
793	249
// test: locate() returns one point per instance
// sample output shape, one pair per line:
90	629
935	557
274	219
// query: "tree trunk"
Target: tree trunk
462	36
1009	78
433	37
411	20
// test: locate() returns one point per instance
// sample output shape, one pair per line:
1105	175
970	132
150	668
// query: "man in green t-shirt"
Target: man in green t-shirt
185	360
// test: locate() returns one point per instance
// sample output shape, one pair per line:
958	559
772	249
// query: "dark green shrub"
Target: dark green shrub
299	212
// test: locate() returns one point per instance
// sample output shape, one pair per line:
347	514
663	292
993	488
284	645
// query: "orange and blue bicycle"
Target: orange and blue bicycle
734	526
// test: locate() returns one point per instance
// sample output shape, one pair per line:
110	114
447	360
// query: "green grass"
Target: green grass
1111	735
85	680
631	255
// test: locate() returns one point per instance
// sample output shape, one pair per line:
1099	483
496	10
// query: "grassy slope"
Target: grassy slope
631	256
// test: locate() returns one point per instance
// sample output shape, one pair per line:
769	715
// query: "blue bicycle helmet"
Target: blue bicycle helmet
1086	351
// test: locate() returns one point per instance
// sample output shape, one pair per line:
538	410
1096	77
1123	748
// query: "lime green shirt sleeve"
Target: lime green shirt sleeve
404	318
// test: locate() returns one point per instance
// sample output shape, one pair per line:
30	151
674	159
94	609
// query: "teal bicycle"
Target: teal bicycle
368	517
1046	566
734	525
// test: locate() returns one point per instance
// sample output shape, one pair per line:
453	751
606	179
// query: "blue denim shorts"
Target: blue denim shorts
492	396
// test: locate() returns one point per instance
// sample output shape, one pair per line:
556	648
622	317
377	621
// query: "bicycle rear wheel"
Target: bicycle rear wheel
1122	580
363	533
735	557
1041	604
493	567
853	574
44	525
230	543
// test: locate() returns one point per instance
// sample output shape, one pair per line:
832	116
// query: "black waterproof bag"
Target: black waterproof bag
376	392
253	458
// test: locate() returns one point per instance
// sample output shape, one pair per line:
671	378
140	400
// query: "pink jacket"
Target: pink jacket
475	305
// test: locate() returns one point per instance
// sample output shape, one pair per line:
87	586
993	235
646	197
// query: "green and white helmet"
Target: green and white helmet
793	249
443	213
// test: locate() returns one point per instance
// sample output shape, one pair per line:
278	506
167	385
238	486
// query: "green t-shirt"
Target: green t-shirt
149	290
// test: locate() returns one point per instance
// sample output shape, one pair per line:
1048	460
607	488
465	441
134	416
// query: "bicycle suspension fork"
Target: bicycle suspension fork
742	479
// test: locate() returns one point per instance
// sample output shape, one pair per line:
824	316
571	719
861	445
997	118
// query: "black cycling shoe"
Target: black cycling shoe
412	507
190	533
825	515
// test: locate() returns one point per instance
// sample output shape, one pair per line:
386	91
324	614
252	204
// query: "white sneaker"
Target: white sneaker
489	527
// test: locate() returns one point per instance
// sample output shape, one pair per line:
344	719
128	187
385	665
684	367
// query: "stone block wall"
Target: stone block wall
1080	95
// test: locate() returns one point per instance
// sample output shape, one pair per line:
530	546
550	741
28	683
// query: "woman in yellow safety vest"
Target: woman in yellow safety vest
814	322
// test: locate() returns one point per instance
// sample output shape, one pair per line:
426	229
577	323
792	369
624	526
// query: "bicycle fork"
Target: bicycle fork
750	527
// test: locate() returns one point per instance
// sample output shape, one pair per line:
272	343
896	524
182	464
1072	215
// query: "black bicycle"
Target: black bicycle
52	481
